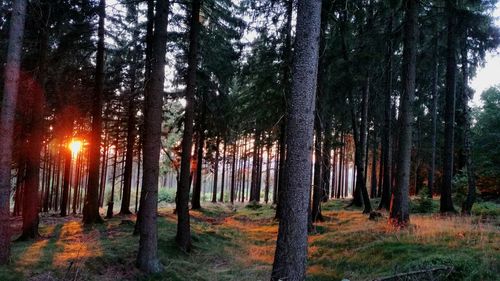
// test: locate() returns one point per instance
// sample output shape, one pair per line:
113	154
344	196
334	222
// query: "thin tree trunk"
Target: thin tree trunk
373	184
471	175
385	197
195	202
449	111
268	167
147	257
434	105
399	212
222	184
317	192
66	181
129	158
91	209
138	180
287	65
183	237
233	170
216	170
111	202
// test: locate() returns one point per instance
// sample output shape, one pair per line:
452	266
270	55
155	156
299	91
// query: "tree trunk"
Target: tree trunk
183	237
363	136
435	97
469	163
147	257
91	209
449	111
326	161
385	197
373	184
291	247
399	212
129	159
32	182
317	190
111	203
233	171
222	184
287	65
7	118
216	170
195	202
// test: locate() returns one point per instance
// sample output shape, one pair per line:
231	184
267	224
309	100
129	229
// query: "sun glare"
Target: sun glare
75	146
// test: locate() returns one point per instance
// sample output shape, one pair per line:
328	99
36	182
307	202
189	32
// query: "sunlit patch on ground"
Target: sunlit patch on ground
33	254
76	245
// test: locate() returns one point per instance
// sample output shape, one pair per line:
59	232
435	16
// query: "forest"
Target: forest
248	140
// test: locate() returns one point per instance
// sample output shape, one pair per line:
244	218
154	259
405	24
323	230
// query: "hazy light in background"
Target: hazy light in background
489	75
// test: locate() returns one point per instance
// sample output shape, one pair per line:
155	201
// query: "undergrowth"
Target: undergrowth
235	242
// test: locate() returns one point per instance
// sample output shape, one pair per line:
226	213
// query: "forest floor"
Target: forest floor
237	243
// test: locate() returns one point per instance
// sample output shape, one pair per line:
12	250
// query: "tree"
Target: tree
446	204
399	212
8	109
147	257
183	236
91	209
291	246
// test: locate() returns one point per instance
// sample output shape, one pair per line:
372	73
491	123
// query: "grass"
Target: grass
237	243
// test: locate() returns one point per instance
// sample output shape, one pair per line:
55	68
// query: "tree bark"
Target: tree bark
399	212
361	149
222	183
317	190
195	202
446	204
7	118
435	97
129	159
469	161
291	247
385	198
147	256
91	208
216	170
183	237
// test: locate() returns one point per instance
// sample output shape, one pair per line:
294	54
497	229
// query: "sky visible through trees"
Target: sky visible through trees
249	140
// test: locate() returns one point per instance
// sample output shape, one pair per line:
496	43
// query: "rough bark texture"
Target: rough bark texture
435	97
147	257
446	204
361	150
183	237
7	118
196	200
469	163
399	212
129	159
91	209
385	200
291	247
36	91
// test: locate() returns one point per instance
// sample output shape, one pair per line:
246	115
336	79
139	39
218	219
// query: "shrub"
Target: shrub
166	195
423	203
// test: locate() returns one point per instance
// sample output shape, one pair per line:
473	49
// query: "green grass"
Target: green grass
236	242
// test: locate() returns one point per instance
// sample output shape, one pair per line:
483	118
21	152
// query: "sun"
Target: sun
75	146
